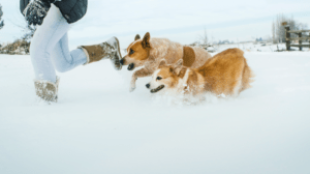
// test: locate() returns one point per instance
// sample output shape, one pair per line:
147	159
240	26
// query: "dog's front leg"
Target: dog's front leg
140	73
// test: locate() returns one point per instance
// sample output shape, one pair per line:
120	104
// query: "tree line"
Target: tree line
1	21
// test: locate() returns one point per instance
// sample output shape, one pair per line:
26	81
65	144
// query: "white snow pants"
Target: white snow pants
49	48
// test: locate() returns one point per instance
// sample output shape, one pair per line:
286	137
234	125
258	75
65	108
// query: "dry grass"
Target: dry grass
18	47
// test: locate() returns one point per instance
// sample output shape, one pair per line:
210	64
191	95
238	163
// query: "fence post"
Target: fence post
287	39
300	41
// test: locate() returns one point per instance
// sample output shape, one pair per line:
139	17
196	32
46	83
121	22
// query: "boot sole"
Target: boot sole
119	51
118	46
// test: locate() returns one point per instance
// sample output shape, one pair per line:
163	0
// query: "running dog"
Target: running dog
149	51
226	73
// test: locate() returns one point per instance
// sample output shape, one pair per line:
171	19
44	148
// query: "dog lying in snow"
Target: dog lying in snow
226	73
149	51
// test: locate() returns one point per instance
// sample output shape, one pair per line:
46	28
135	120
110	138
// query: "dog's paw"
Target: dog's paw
131	67
148	86
131	89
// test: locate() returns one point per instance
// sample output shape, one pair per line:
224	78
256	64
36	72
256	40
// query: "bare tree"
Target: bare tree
279	28
29	32
273	29
282	21
1	21
204	37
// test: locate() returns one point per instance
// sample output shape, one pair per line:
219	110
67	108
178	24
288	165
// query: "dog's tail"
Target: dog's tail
247	76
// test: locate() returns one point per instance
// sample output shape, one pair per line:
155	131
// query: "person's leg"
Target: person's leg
43	42
65	60
109	49
51	39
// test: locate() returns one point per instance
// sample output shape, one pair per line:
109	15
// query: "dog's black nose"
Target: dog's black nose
148	86
131	66
122	61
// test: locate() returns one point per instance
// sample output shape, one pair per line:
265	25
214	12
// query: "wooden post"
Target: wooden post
288	37
300	41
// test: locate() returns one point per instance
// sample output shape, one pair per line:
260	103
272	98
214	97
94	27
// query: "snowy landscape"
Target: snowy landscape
98	126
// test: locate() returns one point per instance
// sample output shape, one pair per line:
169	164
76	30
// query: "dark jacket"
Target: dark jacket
72	10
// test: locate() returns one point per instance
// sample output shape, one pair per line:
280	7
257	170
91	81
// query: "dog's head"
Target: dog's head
165	77
137	52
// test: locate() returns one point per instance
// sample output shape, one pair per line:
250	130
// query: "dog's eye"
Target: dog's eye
159	78
131	51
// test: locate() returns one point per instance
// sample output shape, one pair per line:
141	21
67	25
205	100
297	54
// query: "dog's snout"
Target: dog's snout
131	66
122	61
148	85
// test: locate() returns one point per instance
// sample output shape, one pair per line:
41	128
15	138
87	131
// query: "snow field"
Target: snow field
98	126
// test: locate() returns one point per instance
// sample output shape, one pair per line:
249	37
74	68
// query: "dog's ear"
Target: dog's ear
162	63
137	37
146	40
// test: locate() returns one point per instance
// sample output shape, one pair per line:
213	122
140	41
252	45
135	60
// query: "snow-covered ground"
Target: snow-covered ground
98	126
257	47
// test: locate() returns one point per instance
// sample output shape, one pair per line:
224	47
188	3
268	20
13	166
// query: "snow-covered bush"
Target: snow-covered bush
19	47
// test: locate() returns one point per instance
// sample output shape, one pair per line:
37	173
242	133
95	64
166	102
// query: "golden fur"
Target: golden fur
226	73
188	56
149	51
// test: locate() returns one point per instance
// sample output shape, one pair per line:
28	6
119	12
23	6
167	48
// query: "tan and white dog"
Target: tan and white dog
147	52
226	73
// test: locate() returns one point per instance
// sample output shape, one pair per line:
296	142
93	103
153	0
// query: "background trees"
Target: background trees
278	30
1	21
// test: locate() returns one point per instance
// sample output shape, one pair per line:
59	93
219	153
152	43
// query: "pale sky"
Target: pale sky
179	20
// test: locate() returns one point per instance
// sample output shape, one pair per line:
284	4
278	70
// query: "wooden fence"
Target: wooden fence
300	38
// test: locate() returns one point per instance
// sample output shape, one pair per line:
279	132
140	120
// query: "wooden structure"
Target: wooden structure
300	38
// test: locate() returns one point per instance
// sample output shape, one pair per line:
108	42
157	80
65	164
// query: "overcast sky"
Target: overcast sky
179	20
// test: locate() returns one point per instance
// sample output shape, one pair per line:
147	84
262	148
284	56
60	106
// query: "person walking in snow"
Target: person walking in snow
49	46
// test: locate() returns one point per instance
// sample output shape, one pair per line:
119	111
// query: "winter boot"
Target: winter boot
46	90
106	50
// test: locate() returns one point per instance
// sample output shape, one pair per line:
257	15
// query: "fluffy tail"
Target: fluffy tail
247	76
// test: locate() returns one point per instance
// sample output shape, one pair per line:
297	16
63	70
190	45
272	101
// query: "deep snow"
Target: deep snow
98	126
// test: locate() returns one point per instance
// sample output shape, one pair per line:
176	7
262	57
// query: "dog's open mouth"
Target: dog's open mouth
157	89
